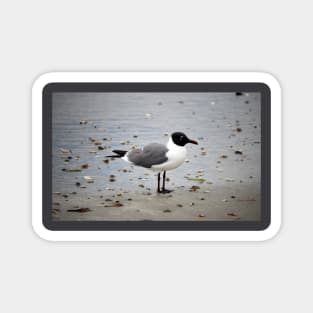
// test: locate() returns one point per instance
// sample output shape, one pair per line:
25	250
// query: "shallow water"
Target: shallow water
222	123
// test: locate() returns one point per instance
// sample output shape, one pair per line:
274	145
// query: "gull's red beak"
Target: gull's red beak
193	141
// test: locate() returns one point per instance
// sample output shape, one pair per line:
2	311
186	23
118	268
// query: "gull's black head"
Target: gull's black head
180	139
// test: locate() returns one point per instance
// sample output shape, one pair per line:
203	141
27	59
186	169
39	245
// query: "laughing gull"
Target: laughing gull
158	157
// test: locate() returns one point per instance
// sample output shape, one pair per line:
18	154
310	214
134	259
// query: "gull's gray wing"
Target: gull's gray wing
152	154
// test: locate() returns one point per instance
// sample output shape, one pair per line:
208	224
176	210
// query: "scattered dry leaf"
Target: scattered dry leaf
80	210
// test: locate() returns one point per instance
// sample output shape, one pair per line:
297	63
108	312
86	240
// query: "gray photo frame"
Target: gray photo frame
155	87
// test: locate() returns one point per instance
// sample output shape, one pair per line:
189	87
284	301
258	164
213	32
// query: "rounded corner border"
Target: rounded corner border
45	79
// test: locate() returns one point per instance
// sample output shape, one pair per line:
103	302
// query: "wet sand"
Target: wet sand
219	181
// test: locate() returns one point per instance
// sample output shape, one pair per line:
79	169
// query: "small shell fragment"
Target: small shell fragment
89	179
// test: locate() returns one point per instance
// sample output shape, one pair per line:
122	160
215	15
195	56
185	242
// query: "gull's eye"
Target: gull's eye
181	138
